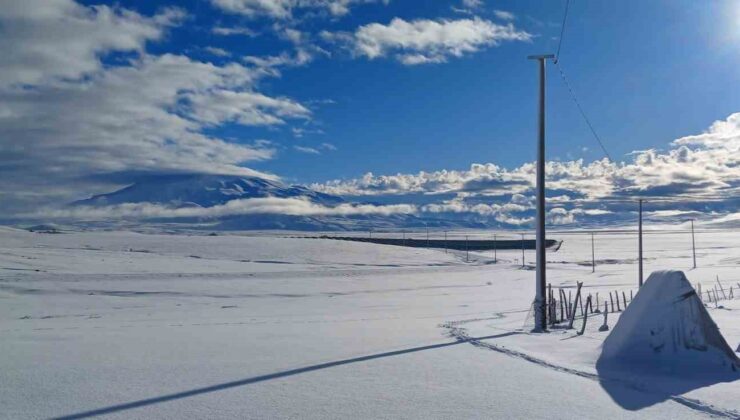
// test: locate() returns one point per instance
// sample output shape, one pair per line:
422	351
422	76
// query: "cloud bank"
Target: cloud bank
250	206
699	173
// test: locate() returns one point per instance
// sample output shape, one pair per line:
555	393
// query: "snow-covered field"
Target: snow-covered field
172	326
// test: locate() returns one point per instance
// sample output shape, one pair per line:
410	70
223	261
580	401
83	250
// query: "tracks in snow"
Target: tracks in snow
454	330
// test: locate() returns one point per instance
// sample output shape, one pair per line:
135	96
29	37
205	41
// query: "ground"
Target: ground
134	325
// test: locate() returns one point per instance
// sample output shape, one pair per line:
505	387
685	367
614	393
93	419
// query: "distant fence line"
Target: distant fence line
456	244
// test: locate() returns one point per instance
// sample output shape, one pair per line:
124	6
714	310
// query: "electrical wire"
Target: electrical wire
583	113
572	93
562	32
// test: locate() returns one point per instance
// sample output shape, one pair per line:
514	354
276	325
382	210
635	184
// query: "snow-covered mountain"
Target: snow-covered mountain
206	191
213	190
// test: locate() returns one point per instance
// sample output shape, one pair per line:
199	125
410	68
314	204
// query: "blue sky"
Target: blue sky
640	69
418	103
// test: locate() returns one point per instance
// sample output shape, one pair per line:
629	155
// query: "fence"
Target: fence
592	249
710	258
563	309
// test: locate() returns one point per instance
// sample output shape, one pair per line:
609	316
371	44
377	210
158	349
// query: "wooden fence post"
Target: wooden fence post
611	299
605	326
585	315
562	304
578	297
721	288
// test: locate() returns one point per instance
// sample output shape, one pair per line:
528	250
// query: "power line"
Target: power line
570	89
562	32
583	113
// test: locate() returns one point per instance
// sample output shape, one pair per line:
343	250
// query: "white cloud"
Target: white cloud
271	64
504	15
246	108
235	30
704	165
468	7
293	35
43	40
219	52
309	150
284	9
472	4
77	127
427	41
267	205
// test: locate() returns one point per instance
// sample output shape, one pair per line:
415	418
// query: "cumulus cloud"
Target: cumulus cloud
427	41
267	205
70	125
705	167
285	9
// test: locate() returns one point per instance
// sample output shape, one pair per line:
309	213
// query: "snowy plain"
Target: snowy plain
131	325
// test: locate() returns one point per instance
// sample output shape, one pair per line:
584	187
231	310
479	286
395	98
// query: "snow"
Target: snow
263	326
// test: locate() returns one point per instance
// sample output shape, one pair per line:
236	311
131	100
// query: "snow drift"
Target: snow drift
667	328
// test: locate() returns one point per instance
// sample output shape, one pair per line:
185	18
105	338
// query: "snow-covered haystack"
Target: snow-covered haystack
668	329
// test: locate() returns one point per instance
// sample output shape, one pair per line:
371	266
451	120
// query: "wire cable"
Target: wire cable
580	109
570	89
562	32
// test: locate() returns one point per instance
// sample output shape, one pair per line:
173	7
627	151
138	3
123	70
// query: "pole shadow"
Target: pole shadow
262	378
635	387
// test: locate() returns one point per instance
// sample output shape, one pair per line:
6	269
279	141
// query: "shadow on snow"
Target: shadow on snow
262	378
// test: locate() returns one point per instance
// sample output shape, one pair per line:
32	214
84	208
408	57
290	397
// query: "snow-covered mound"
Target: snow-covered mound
667	329
205	191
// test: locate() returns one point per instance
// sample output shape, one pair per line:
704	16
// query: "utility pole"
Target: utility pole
467	250
427	236
445	242
540	320
522	250
593	254
693	243
639	244
495	249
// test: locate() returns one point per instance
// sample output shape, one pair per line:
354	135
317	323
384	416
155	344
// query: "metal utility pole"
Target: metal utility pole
639	244
467	250
445	242
693	243
540	304
522	250
495	249
593	254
